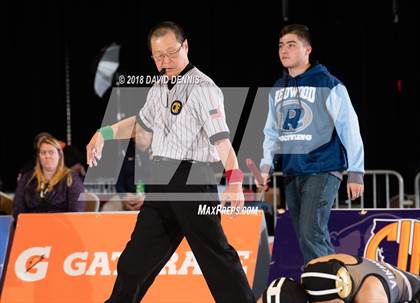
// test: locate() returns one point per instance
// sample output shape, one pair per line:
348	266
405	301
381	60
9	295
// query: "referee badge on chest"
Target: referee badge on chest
176	107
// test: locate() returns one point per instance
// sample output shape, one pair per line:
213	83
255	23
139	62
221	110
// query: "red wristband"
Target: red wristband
234	176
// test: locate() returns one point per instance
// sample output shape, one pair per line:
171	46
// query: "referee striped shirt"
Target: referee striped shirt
186	117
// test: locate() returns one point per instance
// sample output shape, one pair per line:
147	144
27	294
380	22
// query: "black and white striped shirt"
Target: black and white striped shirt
186	118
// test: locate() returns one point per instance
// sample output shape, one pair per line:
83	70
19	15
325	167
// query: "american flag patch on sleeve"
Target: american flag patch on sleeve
215	113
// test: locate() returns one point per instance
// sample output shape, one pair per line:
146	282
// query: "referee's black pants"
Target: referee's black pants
160	228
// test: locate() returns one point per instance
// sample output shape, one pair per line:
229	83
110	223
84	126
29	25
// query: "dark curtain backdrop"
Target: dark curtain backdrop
235	44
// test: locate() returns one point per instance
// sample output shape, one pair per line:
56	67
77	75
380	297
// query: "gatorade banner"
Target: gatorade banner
391	236
73	258
5	235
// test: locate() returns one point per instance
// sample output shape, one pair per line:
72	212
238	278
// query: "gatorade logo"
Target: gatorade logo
31	265
396	234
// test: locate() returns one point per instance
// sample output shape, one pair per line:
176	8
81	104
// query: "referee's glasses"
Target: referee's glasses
170	54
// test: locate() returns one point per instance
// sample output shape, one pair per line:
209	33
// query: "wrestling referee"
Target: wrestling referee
183	122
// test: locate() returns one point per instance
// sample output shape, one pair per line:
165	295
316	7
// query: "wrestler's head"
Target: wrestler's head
284	290
327	281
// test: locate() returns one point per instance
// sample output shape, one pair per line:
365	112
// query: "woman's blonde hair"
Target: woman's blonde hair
61	171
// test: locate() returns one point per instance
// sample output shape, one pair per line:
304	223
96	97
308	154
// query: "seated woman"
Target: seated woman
342	278
50	186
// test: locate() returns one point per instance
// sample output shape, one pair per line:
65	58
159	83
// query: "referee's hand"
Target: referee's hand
94	149
233	194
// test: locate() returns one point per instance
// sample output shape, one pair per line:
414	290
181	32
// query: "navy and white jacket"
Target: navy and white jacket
312	124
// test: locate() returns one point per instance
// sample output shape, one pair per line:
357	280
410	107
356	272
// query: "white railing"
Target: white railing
371	179
102	186
374	174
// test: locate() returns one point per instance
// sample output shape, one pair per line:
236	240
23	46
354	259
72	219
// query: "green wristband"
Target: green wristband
106	132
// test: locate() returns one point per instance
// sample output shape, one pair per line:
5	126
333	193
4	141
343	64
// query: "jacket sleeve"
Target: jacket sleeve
74	191
19	199
347	126
271	144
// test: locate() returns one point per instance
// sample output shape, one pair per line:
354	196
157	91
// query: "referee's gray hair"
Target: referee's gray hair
163	28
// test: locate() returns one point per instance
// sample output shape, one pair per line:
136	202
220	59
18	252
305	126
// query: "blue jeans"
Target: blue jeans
309	200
